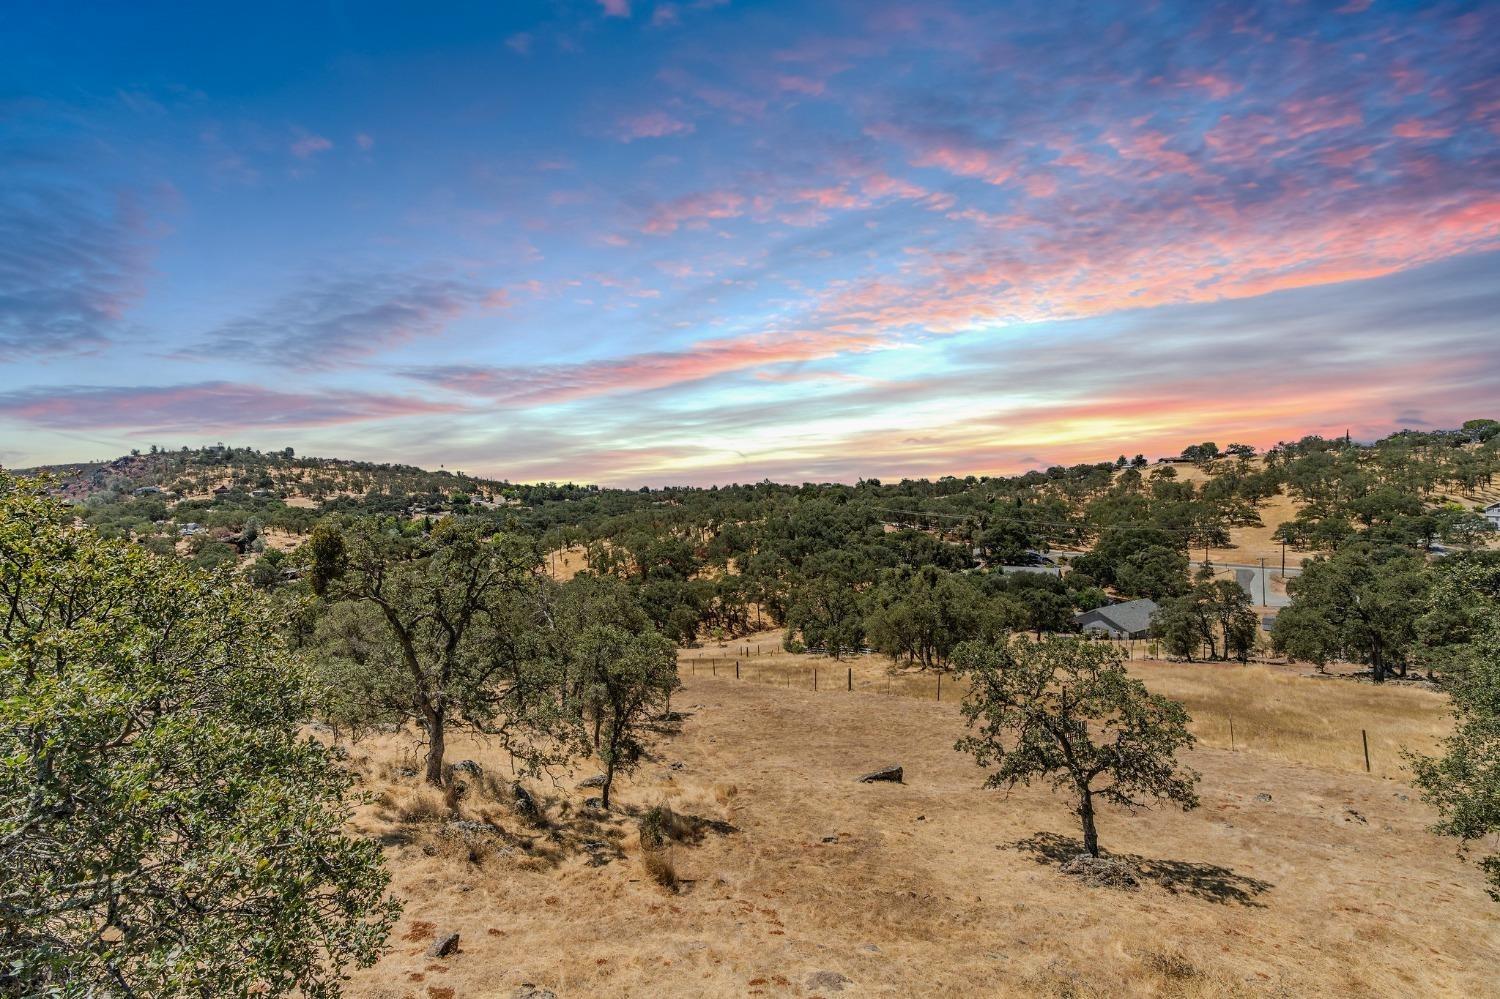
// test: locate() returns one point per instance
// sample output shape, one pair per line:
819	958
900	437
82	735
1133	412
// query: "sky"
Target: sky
704	241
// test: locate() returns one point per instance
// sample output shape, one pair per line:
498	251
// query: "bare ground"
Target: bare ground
1291	879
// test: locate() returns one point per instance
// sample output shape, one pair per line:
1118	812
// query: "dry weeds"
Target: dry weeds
1292	878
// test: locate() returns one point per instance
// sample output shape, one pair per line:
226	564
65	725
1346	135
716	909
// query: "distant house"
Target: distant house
220	490
188	530
1131	619
148	491
1492	514
1045	570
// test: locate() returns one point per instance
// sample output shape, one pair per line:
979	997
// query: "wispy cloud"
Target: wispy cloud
650	125
204	405
71	265
335	320
305	146
557	383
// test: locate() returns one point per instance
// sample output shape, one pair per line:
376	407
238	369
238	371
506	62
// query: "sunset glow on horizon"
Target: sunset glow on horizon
706	241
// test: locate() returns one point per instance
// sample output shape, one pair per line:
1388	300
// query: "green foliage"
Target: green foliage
625	681
1064	710
442	629
825	610
164	829
1138	562
921	615
1360	604
1462	629
1214	614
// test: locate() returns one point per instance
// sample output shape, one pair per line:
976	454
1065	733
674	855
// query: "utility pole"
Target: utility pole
1283	560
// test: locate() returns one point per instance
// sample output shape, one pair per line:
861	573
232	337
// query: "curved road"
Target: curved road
1262	592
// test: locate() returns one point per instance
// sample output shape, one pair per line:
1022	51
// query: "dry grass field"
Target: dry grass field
1299	875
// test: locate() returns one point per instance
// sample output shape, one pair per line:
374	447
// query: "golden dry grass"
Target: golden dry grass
565	563
788	867
1289	713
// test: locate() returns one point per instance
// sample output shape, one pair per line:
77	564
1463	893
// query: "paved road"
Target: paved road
1261	591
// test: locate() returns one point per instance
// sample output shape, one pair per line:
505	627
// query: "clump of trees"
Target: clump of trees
1359	604
164	828
1064	711
1214	616
1460	632
456	627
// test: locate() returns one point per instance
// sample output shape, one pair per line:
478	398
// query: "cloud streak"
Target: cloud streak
71	266
205	405
338	320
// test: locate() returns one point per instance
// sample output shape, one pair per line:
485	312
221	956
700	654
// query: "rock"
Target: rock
1262	797
593	802
1356	816
468	827
870	948
526	990
830	839
1101	872
1402	797
595	781
830	980
891	773
444	945
525	805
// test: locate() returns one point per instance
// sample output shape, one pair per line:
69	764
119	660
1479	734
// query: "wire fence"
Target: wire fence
767	664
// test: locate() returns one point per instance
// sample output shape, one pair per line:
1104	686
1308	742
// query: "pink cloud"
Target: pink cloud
1416	128
364	141
966	161
800	85
558	383
615	8
1217	87
694	208
650	125
309	145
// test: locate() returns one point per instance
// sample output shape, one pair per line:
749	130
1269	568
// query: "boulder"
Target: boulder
444	945
595	781
830	980
525	806
468	767
530	991
891	773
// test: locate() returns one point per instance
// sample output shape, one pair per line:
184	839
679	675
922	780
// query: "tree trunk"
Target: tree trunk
609	780
1377	664
436	746
1086	814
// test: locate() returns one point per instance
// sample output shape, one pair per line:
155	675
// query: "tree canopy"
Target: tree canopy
164	827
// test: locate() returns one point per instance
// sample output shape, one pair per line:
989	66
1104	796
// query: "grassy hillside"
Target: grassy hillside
1295	877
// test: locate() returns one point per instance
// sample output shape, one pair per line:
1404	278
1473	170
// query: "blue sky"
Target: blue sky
651	242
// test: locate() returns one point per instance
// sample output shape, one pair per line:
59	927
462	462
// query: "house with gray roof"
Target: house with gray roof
1131	619
1492	514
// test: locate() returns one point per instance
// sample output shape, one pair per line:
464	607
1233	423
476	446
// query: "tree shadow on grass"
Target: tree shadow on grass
1180	877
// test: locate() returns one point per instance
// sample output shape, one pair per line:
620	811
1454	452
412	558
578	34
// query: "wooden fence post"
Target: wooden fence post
715	667
1364	738
736	669
815	679
851	677
1231	733
940	687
